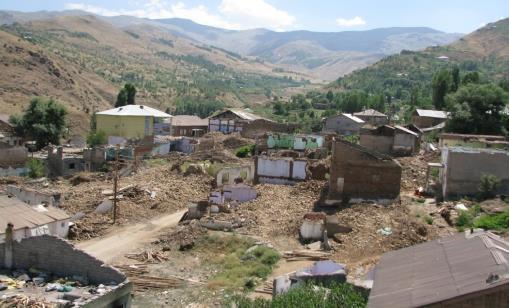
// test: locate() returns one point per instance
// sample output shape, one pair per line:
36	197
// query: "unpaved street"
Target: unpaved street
113	246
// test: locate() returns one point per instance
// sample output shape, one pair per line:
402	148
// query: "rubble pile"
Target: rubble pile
414	170
183	237
377	229
278	209
20	300
148	193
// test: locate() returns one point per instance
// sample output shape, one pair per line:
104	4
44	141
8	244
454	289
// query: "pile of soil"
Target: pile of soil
414	170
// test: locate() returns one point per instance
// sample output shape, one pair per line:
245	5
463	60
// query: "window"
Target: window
72	165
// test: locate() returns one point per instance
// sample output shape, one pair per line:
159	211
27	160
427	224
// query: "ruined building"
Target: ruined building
358	174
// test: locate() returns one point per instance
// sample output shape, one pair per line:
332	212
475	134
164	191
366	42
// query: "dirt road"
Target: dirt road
113	246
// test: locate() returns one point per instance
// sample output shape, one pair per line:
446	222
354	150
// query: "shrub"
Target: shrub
307	295
96	138
493	222
429	220
488	186
245	151
36	168
465	220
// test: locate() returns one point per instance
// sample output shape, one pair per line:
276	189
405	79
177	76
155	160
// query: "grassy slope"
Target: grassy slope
94	59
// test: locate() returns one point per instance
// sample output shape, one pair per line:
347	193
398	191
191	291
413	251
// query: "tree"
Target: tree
96	138
126	96
330	96
44	121
441	85
476	109
455	73
471	77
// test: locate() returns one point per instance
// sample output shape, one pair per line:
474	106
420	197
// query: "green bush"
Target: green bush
493	222
429	220
36	168
337	295
96	138
245	151
465	220
488	186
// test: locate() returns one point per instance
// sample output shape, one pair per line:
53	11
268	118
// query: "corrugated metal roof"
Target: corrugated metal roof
439	270
431	113
370	112
4	118
241	113
406	130
352	117
188	120
22	215
136	110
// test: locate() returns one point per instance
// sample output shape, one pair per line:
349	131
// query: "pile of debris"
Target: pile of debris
146	194
414	170
183	237
148	256
20	300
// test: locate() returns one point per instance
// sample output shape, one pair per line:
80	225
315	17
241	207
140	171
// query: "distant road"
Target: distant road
113	246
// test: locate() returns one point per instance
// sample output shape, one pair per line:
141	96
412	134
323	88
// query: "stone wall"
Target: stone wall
358	174
58	256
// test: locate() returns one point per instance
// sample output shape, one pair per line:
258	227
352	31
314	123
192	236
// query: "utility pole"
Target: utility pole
115	185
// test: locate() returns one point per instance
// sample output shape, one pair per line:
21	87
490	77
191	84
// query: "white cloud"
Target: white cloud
352	22
256	14
232	14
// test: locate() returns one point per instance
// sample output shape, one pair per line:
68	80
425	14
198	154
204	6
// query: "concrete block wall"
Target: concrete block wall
58	256
463	168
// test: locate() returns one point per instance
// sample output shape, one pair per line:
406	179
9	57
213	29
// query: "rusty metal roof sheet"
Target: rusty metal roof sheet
440	270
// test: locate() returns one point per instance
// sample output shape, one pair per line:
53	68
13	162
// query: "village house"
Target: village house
372	117
344	124
232	120
50	265
392	140
463	270
428	118
463	167
129	121
188	125
358	174
7	133
31	220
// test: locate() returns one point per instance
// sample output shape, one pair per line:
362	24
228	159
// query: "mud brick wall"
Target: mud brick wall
358	173
259	127
58	256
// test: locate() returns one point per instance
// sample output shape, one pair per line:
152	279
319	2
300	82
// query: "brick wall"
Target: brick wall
357	173
58	256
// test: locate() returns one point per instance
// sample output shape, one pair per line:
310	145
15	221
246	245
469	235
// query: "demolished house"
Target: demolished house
358	174
64	161
463	270
50	271
463	167
236	192
7	134
391	140
232	120
31	220
298	142
474	141
344	124
423	118
372	117
279	170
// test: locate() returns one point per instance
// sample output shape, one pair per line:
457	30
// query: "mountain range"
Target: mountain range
83	59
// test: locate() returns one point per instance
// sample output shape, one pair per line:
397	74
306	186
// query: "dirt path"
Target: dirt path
113	246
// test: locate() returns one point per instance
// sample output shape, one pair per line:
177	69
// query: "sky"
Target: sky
285	15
